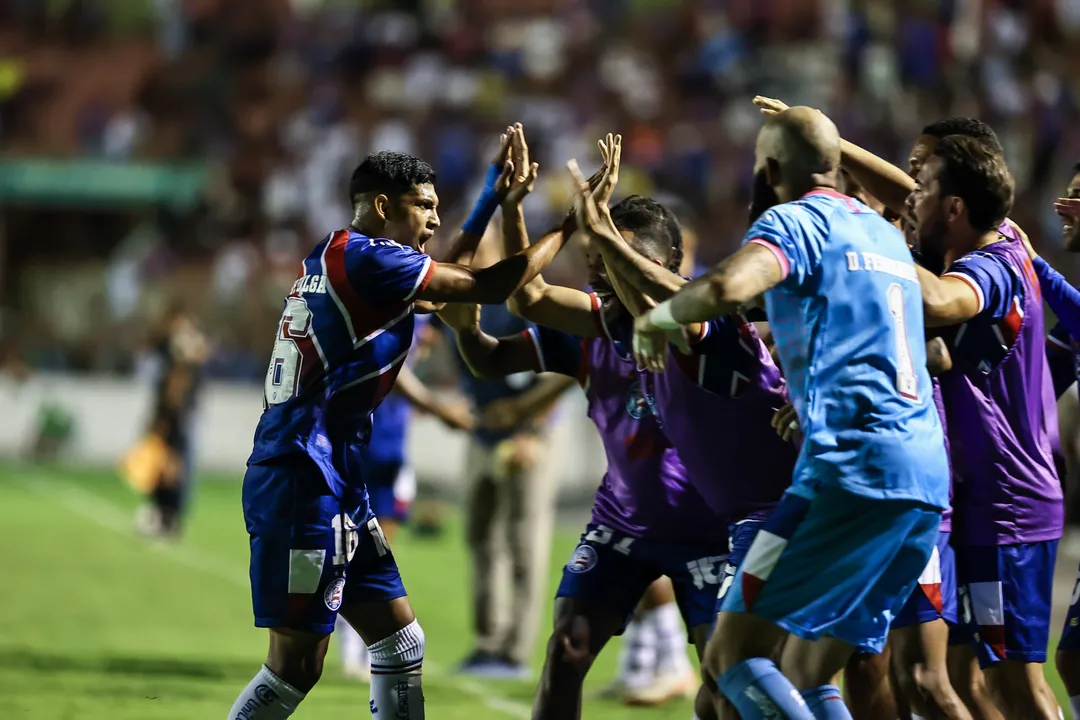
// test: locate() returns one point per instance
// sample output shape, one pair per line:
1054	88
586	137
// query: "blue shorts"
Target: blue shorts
1005	600
381	479
1070	634
740	538
934	598
612	571
312	552
836	564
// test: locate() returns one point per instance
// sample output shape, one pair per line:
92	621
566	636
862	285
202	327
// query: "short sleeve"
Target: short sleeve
787	230
557	352
384	272
989	276
717	335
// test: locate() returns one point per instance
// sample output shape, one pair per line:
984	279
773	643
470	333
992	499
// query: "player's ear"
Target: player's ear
381	203
954	207
773	176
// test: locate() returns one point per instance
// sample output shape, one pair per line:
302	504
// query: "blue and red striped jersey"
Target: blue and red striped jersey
345	331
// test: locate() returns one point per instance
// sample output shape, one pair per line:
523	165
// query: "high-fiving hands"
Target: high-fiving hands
519	174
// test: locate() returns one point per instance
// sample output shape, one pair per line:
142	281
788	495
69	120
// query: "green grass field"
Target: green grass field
96	623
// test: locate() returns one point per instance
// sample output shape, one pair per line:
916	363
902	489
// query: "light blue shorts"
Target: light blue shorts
828	562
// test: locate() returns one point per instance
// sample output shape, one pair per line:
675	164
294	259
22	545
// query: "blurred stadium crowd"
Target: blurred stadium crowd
161	149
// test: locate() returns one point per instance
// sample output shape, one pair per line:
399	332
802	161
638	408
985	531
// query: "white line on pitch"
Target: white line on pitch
111	517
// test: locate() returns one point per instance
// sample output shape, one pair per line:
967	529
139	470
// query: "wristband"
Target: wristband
661	317
486	204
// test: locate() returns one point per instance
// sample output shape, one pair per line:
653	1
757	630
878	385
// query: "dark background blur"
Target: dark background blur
153	149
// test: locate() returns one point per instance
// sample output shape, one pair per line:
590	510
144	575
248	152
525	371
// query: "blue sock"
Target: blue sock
758	691
826	703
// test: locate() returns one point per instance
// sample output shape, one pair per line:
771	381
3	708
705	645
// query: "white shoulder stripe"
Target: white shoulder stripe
536	348
972	284
419	279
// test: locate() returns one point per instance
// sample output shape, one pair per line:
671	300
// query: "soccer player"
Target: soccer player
842	552
647	519
343	336
1064	301
1000	402
725	376
919	667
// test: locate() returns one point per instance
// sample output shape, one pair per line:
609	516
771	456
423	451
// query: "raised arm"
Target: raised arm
1061	296
496	186
888	183
561	308
752	270
593	212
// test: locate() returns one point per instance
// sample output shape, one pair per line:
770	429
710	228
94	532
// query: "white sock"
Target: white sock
396	663
672	657
353	650
917	717
267	697
637	656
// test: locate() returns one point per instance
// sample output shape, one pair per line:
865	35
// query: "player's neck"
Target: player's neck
975	242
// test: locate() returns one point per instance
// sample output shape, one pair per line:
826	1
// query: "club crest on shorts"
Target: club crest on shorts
332	596
583	560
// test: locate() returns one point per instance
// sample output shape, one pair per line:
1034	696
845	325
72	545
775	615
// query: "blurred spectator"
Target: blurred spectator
280	98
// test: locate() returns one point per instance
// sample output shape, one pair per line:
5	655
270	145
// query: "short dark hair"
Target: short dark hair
654	227
968	127
1076	169
390	173
976	174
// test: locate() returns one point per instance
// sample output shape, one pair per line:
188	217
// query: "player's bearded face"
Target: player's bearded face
929	212
762	195
1070	227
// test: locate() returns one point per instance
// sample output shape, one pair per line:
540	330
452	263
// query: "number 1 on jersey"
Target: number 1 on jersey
907	382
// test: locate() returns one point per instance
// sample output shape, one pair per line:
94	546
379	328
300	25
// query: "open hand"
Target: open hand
770	106
611	151
1024	238
1068	207
651	344
519	174
456	416
590	217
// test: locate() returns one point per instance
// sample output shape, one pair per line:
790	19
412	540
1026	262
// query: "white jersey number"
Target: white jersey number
907	382
287	360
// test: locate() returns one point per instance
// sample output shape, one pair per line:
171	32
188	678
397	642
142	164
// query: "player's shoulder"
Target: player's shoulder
986	260
357	242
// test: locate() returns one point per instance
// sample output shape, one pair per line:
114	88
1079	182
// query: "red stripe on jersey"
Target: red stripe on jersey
598	314
365	318
583	369
1011	323
426	279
